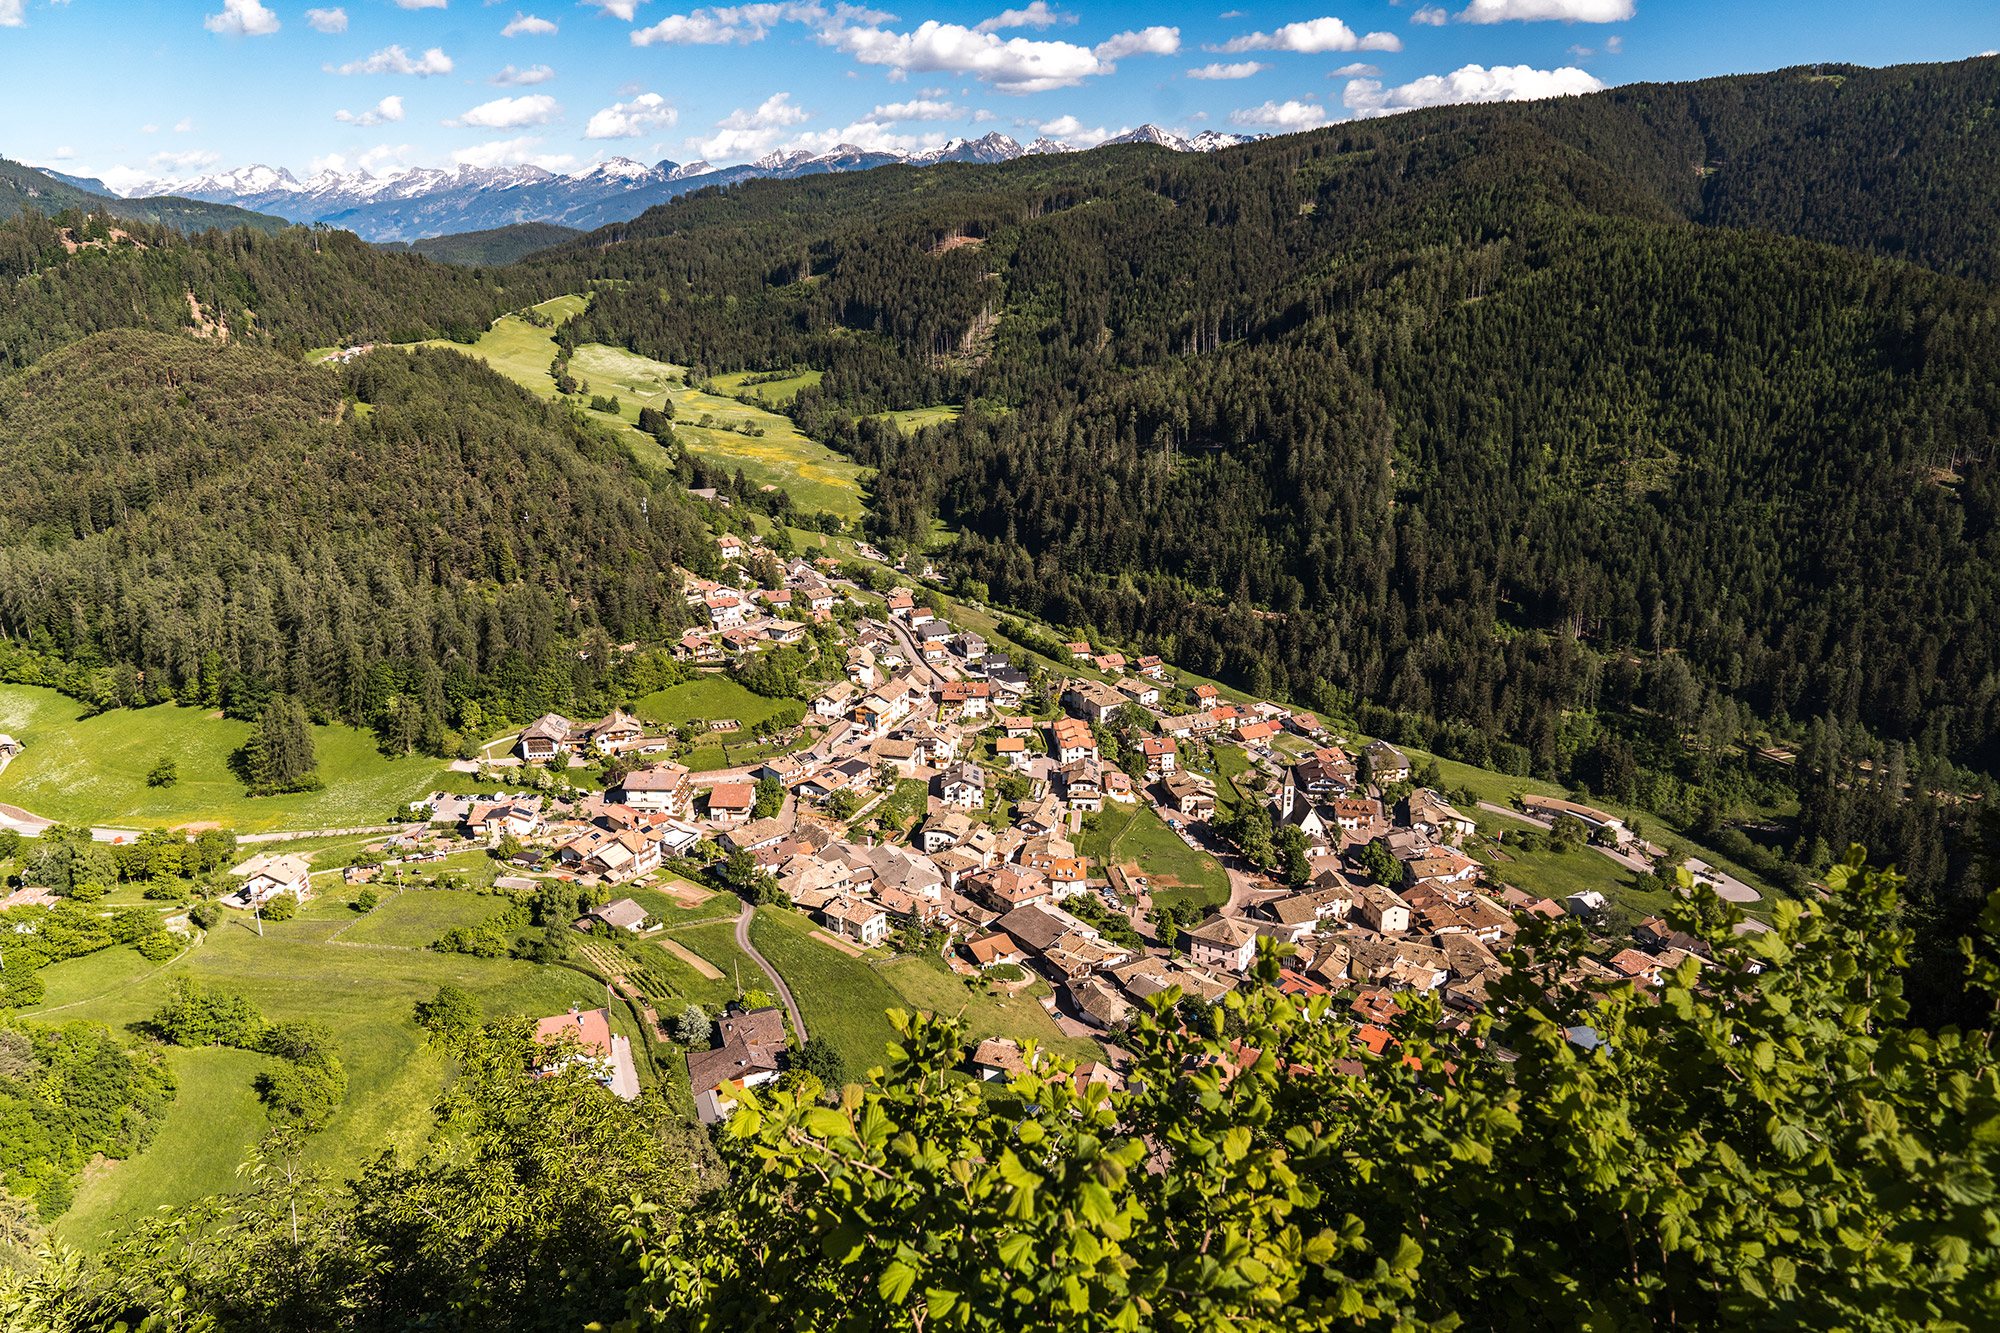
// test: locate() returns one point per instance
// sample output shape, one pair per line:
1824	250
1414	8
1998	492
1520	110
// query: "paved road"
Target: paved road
784	991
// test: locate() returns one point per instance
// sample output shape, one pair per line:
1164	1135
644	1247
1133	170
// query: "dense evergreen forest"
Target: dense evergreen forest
24	189
413	543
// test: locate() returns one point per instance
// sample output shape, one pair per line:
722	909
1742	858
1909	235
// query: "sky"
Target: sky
135	90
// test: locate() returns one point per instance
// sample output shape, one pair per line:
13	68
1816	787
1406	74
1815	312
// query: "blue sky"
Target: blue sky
136	89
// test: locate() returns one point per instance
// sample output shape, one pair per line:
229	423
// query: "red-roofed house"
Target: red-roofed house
729	802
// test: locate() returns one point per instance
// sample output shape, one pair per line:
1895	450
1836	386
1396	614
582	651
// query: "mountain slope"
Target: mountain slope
500	246
23	187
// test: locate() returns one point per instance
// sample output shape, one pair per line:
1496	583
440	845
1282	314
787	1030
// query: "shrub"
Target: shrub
280	907
449	1014
367	900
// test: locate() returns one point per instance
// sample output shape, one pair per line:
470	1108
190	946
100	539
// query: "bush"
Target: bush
196	1016
691	1027
450	1014
164	773
818	1058
159	946
367	900
280	907
205	914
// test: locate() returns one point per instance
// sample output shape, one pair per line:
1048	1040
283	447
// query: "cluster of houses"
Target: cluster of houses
737	618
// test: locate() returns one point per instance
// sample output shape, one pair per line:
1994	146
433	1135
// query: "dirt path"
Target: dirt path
708	970
784	991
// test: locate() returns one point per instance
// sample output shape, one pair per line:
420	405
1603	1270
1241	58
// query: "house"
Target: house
1012	751
1019	886
624	856
1544	807
266	876
662	788
995	950
729	802
497	819
755	836
921	615
775	597
9	747
1587	904
1256	733
1083	785
1386	764
1091	700
624	915
899	753
1444	866
1162	755
1221	942
817	596
1429	813
964	784
1190	793
1118	786
1152	668
615	731
1071	740
1097	1002
602	1056
970	697
753	1045
1354	812
1206	695
729	545
856	919
997	1058
1140	692
1079	651
725	610
1015	726
545	738
1383	910
944	830
1109	663
1304	724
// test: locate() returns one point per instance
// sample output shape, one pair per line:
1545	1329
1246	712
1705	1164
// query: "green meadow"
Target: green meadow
92	770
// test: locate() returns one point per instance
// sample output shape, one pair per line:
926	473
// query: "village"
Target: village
1015	763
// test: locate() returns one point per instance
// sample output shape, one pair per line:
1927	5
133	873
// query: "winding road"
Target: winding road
784	991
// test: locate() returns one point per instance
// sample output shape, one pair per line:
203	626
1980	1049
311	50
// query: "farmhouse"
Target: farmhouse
545	738
604	1057
266	876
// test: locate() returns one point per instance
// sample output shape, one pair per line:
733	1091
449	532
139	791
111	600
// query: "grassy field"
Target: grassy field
709	699
916	418
776	392
817	477
415	917
846	1000
1133	833
92	770
294	971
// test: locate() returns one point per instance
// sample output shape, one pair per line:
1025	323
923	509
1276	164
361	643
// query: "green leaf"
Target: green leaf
896	1281
1096	1204
1014	1251
1408	1255
823	1123
939	1302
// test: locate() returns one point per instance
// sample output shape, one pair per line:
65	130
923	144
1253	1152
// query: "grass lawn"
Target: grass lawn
413	918
717	943
721	907
925	983
92	770
1133	833
710	699
364	994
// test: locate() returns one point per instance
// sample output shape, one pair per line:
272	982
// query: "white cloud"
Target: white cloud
1037	15
623	9
1431	16
395	60
629	120
389	108
418	4
983	117
1013	66
529	24
1356	70
512	153
1472	83
13	13
1144	42
185	125
1241	70
1292	115
65	153
327	20
510	113
381	153
1312	37
1537	11
919	110
1614	45
748	132
740	24
182	161
149	129
1071	130
872	136
522	78
242	18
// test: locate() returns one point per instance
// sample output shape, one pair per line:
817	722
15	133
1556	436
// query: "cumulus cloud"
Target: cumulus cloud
327	20
13	13
395	60
389	108
182	161
1017	65
1356	70
1037	16
1291	115
185	125
919	110
1312	37
740	24
1431	16
622	9
1540	11
242	18
746	132
1070	130
1241	70
529	24
522	78
872	136
1472	83
382	153
65	153
628	120
1144	42
512	153
509	113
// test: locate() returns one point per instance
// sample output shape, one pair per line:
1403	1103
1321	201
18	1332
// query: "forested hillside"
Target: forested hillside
23	189
65	276
413	543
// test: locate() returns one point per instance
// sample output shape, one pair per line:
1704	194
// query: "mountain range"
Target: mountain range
424	201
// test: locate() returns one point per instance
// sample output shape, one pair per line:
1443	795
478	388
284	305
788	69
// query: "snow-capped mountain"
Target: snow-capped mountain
425	201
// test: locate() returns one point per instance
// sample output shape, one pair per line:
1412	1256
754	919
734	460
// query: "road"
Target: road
1727	887
784	991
